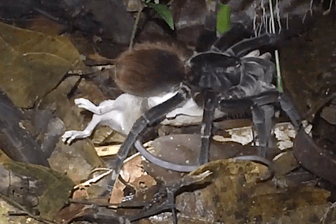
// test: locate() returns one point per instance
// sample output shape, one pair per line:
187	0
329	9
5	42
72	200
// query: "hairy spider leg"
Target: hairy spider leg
262	120
258	116
237	33
262	113
149	118
163	163
171	200
210	104
208	39
265	113
245	46
291	112
208	35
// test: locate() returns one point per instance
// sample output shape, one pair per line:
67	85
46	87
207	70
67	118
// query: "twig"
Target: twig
127	204
92	180
135	27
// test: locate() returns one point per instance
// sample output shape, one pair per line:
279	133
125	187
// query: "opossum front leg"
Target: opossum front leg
104	107
69	136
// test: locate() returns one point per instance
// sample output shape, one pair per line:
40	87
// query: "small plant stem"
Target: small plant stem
277	60
135	28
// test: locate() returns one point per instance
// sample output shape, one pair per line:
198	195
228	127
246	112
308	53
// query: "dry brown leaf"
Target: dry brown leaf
32	63
235	196
133	173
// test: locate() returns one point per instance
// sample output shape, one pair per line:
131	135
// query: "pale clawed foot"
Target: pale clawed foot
87	105
69	136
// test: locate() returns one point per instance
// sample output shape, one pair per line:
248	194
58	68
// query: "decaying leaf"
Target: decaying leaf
236	196
135	176
318	160
36	188
32	59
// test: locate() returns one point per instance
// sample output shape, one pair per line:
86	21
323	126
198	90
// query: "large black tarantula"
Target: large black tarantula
221	77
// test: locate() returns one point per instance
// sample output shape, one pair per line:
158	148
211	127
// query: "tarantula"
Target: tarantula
223	76
218	78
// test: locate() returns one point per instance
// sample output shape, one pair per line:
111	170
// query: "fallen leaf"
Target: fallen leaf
31	59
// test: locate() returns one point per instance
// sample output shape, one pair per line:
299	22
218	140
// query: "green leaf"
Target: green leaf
164	12
223	18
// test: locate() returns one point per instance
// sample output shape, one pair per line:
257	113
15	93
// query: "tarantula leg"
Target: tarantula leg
210	103
262	120
208	35
208	38
291	112
149	118
262	113
243	47
237	33
171	200
262	116
163	163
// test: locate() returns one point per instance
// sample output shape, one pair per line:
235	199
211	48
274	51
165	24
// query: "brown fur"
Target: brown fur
150	68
